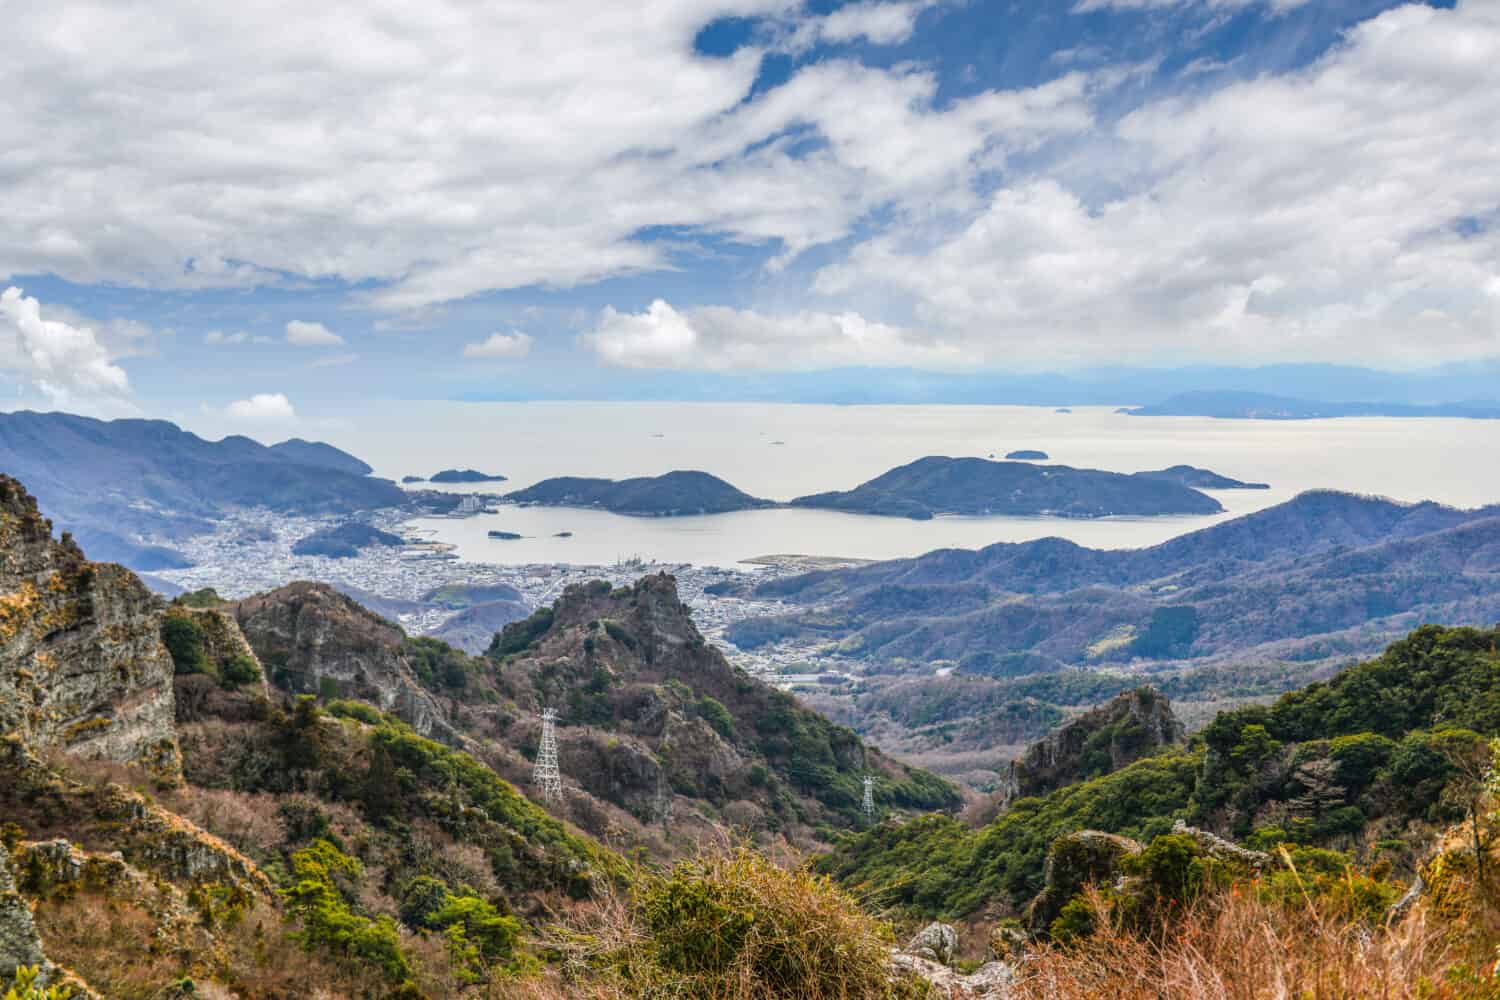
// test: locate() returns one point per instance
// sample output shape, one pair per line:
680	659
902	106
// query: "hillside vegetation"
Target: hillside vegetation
1374	762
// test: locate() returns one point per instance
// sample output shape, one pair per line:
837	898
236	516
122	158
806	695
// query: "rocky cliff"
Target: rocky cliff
82	665
312	639
1100	741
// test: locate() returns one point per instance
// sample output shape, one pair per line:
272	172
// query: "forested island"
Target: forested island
673	494
975	486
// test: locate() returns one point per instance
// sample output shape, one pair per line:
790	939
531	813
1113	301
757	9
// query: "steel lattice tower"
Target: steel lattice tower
869	805
545	775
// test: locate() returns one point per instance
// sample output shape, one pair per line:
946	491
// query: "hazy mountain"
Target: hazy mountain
118	485
1265	406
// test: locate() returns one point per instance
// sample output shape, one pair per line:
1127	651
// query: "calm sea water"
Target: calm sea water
782	451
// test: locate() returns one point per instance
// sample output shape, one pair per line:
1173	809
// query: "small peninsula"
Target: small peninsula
975	486
1028	455
674	494
465	476
1200	479
344	541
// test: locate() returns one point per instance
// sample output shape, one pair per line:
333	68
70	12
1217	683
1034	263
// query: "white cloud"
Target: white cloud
1316	215
300	333
507	346
878	23
247	148
217	337
65	361
1277	6
263	407
721	339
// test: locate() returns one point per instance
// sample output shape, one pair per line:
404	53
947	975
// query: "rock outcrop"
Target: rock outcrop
936	942
1086	857
1130	726
20	945
82	665
314	640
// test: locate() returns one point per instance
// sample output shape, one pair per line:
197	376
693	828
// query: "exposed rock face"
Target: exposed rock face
936	942
82	666
1074	861
1216	847
990	981
20	945
649	710
312	639
1102	740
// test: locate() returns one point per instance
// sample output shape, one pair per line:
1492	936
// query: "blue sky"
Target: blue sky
252	213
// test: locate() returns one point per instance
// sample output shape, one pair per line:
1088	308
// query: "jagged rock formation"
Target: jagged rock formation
1087	857
1102	740
20	945
312	639
1219	849
82	666
649	710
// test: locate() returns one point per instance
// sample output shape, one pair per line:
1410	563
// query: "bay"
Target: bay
780	451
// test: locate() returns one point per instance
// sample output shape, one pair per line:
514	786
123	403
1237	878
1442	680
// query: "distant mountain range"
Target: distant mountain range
962	656
127	488
941	485
1321	575
1264	406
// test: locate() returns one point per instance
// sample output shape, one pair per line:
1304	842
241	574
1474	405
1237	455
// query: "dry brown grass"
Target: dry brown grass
1240	947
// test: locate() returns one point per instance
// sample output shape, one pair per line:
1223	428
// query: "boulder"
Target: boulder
935	942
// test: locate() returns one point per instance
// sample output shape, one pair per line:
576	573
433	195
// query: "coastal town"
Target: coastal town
251	551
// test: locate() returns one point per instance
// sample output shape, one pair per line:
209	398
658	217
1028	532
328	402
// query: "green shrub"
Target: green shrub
737	925
328	918
240	670
25	987
713	712
183	637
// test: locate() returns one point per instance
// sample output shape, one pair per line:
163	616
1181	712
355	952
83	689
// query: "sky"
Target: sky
253	211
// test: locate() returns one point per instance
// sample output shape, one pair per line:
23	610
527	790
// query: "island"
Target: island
671	495
1265	406
976	486
1200	479
504	536
412	479
1028	455
465	476
344	541
1062	409
563	534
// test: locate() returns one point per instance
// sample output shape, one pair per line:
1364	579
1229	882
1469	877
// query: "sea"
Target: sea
780	451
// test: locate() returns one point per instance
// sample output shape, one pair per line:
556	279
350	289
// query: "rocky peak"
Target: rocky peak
82	665
312	639
1102	740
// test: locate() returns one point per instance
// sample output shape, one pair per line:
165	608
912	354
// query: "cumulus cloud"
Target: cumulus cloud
300	333
257	151
505	346
65	361
722	339
1347	211
217	337
263	407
